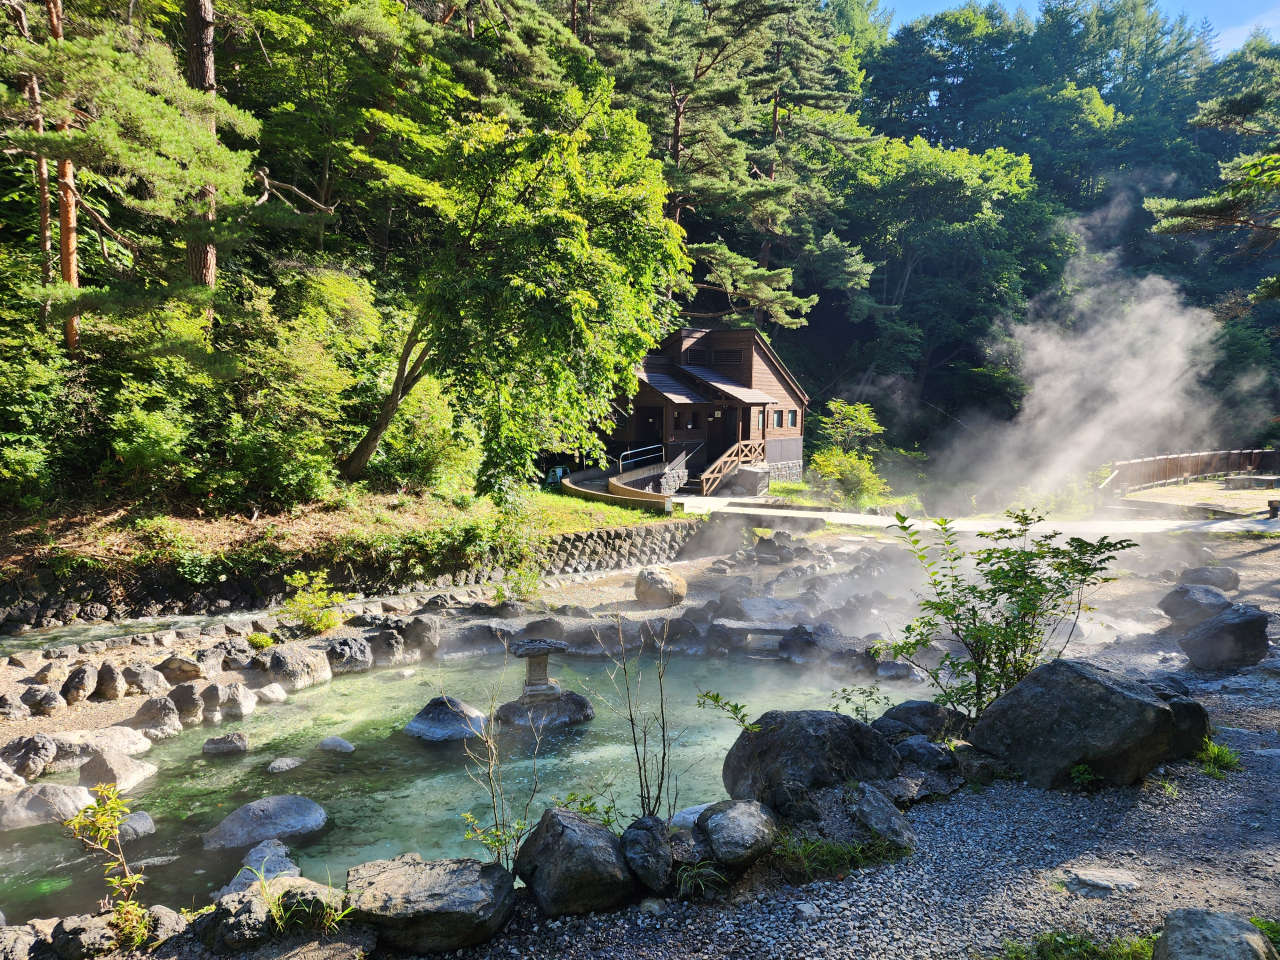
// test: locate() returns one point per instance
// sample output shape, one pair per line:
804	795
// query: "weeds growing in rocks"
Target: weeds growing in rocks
1083	777
1217	760
1060	945
289	912
97	826
1269	927
696	879
1018	608
860	701
803	859
313	601
259	641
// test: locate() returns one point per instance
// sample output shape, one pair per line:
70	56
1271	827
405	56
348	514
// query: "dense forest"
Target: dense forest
251	251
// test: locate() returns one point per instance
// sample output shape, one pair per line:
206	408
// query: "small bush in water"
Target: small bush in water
312	602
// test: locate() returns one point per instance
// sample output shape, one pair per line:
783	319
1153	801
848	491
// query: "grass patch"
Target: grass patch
1217	761
1061	945
1269	927
803	859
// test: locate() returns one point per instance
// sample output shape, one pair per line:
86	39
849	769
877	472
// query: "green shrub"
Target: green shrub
97	827
1011	606
260	641
1269	927
1082	776
24	468
847	474
312	602
151	444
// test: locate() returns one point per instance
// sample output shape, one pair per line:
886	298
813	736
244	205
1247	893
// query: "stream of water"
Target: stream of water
395	794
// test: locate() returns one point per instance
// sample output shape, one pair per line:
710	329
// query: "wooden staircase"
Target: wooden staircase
744	451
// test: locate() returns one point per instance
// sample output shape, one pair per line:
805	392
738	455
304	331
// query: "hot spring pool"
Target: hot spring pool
395	794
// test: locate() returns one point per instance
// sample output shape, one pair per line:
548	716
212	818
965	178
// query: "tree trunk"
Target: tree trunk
202	255
573	16
407	376
67	256
42	191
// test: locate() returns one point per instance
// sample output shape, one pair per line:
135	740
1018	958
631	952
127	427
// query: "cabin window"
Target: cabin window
791	418
726	357
760	421
777	419
697	356
692	423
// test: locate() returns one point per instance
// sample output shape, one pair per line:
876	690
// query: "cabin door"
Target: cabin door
649	422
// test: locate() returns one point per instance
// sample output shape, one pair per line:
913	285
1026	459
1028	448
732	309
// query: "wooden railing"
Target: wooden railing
744	451
1130	475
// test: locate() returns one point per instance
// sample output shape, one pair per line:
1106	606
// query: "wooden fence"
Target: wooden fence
1129	475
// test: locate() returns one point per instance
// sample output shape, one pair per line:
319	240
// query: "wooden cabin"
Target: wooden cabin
705	394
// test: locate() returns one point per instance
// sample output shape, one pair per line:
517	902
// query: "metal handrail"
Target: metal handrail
634	455
679	461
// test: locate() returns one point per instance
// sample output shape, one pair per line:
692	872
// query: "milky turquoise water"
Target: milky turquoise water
395	794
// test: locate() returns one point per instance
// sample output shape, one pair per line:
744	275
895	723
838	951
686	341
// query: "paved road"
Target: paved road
1092	527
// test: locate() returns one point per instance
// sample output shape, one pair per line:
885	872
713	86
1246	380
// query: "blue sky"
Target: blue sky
1233	19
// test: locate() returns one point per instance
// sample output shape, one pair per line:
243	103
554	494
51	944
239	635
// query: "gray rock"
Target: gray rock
26	659
77	747
43	701
137	824
141	680
977	767
52	674
1235	638
804	643
690	847
922	752
214	696
237	742
82	937
266	861
573	865
877	813
1189	603
1223	578
284	764
112	767
238	922
740	831
12	707
16	943
546	628
390	650
688	817
271	693
660	587
180	669
80	683
240	702
270	818
9	783
431	906
157	719
1190	721
1099	882
28	756
446	718
296	667
349	655
190	704
164	924
1207	935
1065	714
931	719
422	633
899	671
335	745
892	730
112	684
647	846
568	710
43	803
796	751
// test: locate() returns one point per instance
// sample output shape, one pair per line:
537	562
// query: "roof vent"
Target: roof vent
697	356
724	358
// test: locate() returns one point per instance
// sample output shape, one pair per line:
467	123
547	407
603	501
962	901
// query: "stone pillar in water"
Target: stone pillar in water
538	686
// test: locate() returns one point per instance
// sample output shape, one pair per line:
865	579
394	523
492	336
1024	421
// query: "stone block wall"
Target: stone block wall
614	548
789	471
672	481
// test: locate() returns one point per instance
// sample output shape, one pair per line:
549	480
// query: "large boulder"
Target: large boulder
796	751
237	923
80	683
1206	935
882	819
136	825
141	680
296	667
270	818
12	707
1236	637
266	861
239	703
931	719
804	643
390	650
111	682
1189	603
1190	721
16	943
573	865
647	846
227	744
740	831
422	633
186	697
43	803
1224	578
77	747
660	587
157	719
1065	714
112	767
179	669
43	701
446	718
349	655
567	710
10	782
28	756
431	906
82	937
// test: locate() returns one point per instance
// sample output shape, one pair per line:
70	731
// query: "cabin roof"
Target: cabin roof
747	395
670	387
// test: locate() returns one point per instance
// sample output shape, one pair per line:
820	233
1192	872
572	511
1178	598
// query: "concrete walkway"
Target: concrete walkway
1092	527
